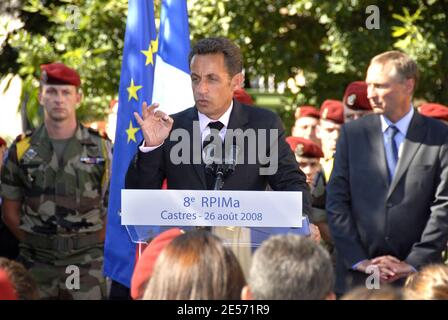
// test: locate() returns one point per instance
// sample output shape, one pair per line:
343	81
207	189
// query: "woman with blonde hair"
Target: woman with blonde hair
196	266
431	283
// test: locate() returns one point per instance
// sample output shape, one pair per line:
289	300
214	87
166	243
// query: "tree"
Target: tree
86	34
314	47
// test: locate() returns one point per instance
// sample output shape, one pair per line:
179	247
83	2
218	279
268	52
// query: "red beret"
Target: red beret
304	147
332	110
434	110
59	73
355	96
307	111
7	291
144	267
2	142
243	97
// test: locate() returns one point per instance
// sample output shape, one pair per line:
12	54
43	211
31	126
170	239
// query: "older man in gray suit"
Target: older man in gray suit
387	198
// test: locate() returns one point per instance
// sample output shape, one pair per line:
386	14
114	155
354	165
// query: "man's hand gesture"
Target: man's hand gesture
156	125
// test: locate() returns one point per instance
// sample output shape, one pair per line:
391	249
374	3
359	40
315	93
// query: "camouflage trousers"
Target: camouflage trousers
78	276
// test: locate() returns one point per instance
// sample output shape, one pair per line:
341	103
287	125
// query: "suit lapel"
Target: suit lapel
414	137
238	118
375	137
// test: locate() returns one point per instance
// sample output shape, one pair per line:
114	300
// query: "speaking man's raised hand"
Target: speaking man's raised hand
155	124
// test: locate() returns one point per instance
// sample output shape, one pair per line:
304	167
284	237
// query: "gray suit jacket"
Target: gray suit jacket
369	217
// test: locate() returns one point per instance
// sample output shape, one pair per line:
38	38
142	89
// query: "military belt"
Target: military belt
63	243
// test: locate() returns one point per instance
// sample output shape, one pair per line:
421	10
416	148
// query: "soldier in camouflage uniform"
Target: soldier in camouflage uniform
54	189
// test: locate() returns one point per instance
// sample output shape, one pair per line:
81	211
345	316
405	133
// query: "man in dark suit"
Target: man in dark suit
387	198
216	72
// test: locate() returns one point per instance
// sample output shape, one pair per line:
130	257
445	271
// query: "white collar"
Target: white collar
224	119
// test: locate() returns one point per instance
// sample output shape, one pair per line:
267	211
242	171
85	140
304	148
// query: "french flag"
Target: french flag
172	83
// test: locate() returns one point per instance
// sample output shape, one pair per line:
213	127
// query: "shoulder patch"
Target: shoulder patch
22	146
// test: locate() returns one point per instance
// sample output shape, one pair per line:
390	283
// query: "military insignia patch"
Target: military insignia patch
30	154
92	160
351	99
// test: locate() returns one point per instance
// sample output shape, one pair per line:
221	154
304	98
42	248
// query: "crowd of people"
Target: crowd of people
372	169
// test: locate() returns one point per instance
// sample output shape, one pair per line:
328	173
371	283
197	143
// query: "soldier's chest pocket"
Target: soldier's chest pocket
89	172
35	174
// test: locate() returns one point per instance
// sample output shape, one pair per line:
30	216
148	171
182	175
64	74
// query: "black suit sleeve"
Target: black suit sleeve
146	170
288	176
435	235
338	205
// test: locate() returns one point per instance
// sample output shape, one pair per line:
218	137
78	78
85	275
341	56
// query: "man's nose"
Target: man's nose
59	96
202	87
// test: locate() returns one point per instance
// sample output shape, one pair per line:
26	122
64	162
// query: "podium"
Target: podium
242	219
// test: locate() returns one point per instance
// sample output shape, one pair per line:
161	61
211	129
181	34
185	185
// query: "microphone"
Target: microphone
212	156
230	160
218	165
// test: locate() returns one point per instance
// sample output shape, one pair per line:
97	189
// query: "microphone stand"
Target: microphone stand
219	182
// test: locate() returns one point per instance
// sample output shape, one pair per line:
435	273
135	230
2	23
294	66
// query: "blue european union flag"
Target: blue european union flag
136	85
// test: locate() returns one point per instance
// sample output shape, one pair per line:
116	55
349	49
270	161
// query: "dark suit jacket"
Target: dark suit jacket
369	217
147	170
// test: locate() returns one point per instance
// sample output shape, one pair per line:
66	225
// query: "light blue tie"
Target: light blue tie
391	150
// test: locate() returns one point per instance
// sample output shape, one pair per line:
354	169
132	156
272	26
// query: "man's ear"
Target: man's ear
246	294
78	96
237	81
410	86
39	96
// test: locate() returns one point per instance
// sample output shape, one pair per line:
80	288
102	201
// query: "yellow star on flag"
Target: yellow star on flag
132	89
131	131
152	49
148	53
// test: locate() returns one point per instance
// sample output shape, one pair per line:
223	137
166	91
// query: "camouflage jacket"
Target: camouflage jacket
59	197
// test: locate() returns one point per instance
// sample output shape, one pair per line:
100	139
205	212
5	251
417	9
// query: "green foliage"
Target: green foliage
316	47
88	37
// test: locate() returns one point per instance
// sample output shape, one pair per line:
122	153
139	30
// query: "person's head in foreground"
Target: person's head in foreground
384	292
145	265
24	286
196	266
290	267
430	283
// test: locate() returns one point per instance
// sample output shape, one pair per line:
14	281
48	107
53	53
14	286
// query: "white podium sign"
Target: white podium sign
211	208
